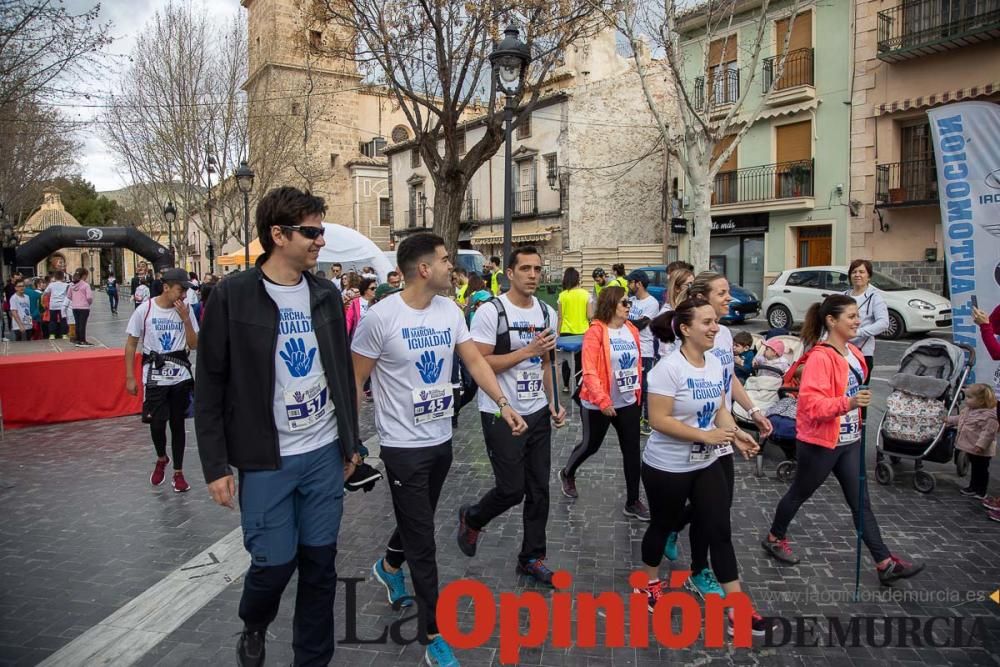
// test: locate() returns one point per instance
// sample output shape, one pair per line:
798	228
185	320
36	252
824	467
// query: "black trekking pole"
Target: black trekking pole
555	379
862	481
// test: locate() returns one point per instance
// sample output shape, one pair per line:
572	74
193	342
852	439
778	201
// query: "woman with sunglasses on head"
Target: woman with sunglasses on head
828	431
610	395
693	431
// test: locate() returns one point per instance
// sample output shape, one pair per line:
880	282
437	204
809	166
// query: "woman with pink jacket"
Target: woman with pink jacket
828	431
80	299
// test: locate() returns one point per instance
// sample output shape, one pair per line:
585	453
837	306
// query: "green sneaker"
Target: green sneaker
670	551
704	583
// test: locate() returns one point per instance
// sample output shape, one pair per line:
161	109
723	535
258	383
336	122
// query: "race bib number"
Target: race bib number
529	385
169	374
433	403
701	452
305	407
850	427
627	379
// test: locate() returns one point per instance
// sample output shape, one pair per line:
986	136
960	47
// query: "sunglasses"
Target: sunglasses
311	233
626	303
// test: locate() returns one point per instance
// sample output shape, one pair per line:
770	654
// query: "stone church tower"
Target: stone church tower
338	123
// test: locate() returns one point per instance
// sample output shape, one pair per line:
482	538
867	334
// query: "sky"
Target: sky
127	18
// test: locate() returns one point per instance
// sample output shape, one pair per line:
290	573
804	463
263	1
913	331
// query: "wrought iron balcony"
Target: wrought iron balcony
909	183
783	180
724	89
525	201
798	70
919	27
470	210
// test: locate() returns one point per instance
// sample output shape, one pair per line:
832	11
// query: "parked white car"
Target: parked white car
910	310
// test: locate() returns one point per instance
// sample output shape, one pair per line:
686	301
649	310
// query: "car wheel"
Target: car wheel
897	328
779	317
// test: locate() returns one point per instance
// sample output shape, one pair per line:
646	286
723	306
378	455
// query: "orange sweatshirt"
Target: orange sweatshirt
597	376
823	395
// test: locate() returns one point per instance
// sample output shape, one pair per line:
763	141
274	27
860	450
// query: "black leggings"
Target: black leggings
814	465
178	399
707	489
698	536
595	427
81	315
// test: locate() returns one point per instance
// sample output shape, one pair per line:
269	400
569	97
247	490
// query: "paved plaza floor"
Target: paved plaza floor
89	551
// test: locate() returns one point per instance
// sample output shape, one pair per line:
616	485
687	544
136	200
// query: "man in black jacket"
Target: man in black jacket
276	400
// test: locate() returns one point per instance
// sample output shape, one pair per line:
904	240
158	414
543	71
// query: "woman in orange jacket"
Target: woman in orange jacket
828	431
610	395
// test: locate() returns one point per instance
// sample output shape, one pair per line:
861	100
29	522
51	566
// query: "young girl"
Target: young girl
977	436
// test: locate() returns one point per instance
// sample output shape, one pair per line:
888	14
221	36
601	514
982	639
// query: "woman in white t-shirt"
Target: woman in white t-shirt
693	430
677	286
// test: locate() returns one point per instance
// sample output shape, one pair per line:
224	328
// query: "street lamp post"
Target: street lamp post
509	61
170	214
244	180
210	169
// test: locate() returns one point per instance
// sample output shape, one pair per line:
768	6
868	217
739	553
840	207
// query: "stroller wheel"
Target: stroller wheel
786	470
884	473
924	481
961	463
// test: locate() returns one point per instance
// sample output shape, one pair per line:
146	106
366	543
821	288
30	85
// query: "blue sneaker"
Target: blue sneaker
439	653
395	585
705	583
670	551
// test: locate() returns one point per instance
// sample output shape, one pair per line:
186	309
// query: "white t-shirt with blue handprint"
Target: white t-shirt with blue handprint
624	369
723	351
411	382
303	408
698	394
640	308
160	330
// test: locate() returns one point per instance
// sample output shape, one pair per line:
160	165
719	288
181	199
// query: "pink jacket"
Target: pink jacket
990	340
822	395
977	431
80	295
353	313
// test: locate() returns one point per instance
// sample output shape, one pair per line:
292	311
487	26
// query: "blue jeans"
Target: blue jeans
290	519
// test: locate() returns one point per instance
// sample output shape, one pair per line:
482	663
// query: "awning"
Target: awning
237	258
935	99
789	109
524	237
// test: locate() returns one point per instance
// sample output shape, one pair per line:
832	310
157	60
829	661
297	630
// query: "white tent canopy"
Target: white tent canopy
353	250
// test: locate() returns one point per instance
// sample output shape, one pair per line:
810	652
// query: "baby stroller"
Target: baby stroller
925	390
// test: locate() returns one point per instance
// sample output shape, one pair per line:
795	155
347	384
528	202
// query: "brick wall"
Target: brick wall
916	274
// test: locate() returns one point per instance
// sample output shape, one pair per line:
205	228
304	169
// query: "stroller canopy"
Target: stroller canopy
934	358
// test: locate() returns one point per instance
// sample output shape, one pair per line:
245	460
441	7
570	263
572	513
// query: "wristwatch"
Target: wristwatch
753	410
502	402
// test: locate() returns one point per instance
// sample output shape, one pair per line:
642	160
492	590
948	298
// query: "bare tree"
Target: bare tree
41	42
692	129
434	59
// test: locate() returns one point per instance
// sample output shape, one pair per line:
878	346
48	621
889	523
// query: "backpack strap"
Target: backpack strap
502	345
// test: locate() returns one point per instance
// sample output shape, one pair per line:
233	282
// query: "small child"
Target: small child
773	356
743	354
977	434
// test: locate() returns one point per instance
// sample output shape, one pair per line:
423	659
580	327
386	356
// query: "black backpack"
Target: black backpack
502	345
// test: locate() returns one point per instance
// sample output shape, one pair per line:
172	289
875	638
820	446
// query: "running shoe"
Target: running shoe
653	591
758	624
250	648
159	472
898	569
644	427
568	485
536	569
467	536
992	503
967	491
395	584
704	583
993	515
180	484
670	551
637	510
779	550
439	654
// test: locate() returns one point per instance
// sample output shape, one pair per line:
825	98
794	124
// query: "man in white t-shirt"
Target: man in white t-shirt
643	310
165	329
517	334
275	399
20	312
407	343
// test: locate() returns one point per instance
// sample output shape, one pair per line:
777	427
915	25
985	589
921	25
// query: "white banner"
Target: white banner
967	151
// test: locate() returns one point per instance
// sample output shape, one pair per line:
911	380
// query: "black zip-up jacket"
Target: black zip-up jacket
234	392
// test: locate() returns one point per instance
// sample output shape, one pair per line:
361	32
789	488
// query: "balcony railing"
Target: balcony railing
909	183
798	70
919	27
414	218
470	209
525	201
783	180
724	89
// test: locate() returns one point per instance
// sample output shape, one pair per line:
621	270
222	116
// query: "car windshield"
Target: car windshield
887	284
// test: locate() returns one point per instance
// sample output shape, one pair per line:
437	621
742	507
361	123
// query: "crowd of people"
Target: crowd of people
287	354
50	307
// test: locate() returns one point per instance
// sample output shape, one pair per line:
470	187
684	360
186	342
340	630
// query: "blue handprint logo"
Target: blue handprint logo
626	361
430	367
298	361
166	341
705	415
727	380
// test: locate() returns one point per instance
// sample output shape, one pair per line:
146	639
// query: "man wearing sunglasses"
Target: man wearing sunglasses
276	400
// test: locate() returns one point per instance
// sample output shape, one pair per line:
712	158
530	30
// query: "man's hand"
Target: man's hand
131	387
514	420
223	490
349	466
183	310
542	344
558	418
763	423
980	316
